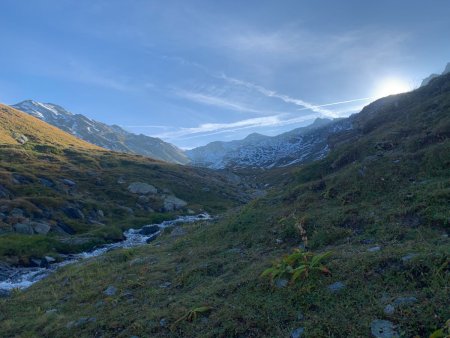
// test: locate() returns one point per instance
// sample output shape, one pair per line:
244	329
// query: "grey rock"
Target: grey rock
74	213
68	182
81	322
335	287
49	259
4	193
142	188
40	227
126	209
22	139
121	180
20	179
405	301
16	212
163	322
165	285
100	213
23	228
178	232
46	182
110	291
281	283
143	199
389	309
383	329
149	229
374	249
298	332
172	203
64	228
51	311
408	257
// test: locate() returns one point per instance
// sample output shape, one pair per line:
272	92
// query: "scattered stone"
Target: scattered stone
16	212
46	182
149	229
110	291
163	322
143	199
298	332
81	322
178	232
408	257
142	188
23	228
4	193
281	283
389	309
74	213
22	139
100	213
374	249
49	260
335	287
165	285
40	227
172	203
51	311
20	179
405	301
64	228
99	304
126	209
121	180
68	182
279	241
383	329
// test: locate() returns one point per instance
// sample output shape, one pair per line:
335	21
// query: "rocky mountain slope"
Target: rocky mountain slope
433	76
378	202
61	194
298	146
109	137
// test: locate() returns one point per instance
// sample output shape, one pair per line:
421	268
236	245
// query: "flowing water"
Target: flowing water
21	278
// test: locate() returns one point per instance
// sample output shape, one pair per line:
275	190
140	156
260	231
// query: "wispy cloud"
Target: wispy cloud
285	98
216	101
208	129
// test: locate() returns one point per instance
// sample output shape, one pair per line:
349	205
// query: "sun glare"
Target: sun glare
391	86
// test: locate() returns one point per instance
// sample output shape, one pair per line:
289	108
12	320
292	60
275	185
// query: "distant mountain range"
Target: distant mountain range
98	133
298	146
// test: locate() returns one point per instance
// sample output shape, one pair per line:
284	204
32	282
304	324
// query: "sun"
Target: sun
391	86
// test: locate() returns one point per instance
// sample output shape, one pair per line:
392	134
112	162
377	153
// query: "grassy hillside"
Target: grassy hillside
80	192
378	202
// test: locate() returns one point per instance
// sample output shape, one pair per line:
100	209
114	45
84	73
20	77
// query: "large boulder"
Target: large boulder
172	203
149	229
142	188
40	228
24	228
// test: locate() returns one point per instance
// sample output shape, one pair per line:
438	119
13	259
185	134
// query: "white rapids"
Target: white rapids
21	278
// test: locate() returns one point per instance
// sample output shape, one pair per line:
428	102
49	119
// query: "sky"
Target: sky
192	72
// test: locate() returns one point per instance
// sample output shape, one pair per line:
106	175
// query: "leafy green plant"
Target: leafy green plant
443	332
299	265
193	314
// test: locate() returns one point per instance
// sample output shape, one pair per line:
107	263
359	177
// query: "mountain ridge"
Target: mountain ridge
110	137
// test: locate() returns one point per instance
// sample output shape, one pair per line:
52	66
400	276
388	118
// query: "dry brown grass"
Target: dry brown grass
13	122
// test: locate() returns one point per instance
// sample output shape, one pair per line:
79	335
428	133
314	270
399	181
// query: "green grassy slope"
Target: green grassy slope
33	188
386	184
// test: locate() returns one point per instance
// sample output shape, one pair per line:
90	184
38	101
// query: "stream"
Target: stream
23	277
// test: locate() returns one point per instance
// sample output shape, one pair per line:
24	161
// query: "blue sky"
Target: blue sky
192	72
